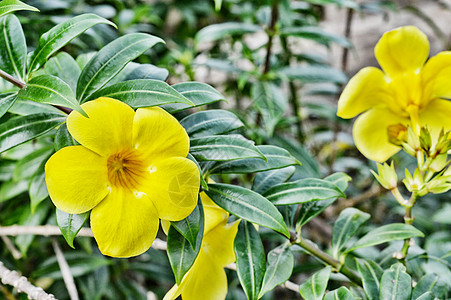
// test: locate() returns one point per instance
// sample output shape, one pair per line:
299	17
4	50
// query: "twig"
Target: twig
19	83
65	271
272	25
22	284
15	253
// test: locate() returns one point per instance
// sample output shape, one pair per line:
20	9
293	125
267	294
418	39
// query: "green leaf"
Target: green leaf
31	219
317	34
250	259
27	107
110	60
60	35
386	233
65	67
13	52
63	138
340	180
22	129
190	226
210	122
223	147
11	189
279	269
8	6
38	188
277	158
134	71
315	286
197	92
426	296
341	293
181	255
6	101
347	224
302	191
28	165
203	183
396	284
248	205
313	73
70	224
309	210
141	93
429	283
50	89
219	31
371	274
265	180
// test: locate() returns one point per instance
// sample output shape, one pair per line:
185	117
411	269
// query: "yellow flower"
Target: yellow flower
207	279
408	92
130	169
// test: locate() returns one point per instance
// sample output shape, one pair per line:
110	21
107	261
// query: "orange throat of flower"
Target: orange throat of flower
126	170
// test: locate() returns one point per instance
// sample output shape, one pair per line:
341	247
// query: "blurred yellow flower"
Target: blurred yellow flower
407	92
207	279
130	169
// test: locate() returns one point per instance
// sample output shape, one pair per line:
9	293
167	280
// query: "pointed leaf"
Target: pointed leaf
70	224
8	6
315	286
341	293
429	283
203	183
65	67
190	226
211	122
265	180
6	101
309	210
396	284
340	180
313	73
13	52
38	188
219	31
63	138
371	274
317	34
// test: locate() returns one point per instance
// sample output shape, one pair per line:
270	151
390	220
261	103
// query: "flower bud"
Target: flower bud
439	162
415	183
439	185
425	139
387	176
412	139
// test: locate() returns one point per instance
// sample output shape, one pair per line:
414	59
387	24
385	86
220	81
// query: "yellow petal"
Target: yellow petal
218	243
125	223
402	50
437	115
107	130
76	178
214	214
159	134
173	186
165	224
366	89
370	133
435	77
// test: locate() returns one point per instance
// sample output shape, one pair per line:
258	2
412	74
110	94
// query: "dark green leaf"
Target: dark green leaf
60	35
314	73
29	164
6	101
341	293
302	191
63	138
110	60
340	180
371	274
309	210
219	31
248	205
38	188
203	183
141	93
70	224
134	71
13	52
317	34
190	226
396	284
211	122
279	269
64	67
250	259
22	129
386	233
265	180
315	286
31	219
27	107
11	189
8	6
429	283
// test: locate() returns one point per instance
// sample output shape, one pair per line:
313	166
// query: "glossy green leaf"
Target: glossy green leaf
142	93
265	180
110	60
371	274
223	148
396	284
210	122
22	129
309	210
426	296
13	52
197	92
65	67
347	224
277	158
134	71
341	180
219	31
313	73
24	241
29	164
341	293
280	266
11	189
386	233
429	284
190	226
203	183
38	188
63	138
28	107
316	34
302	191
250	259
248	205
60	35
6	101
181	255
9	6
6	169
315	286
50	89
70	224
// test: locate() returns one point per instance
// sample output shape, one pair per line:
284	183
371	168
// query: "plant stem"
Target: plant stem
17	82
272	25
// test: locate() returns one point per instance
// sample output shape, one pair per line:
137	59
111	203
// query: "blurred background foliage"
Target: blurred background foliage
281	65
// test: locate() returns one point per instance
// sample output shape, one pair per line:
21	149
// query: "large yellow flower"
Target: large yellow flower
130	169
408	92
207	279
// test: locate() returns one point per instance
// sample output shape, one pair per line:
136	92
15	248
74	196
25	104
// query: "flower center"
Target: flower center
126	169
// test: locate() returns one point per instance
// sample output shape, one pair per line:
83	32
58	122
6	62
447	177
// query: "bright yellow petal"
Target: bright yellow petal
218	243
76	178
402	50
173	186
158	134
436	75
124	224
370	133
436	116
173	293
107	130
366	89
165	224
214	214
